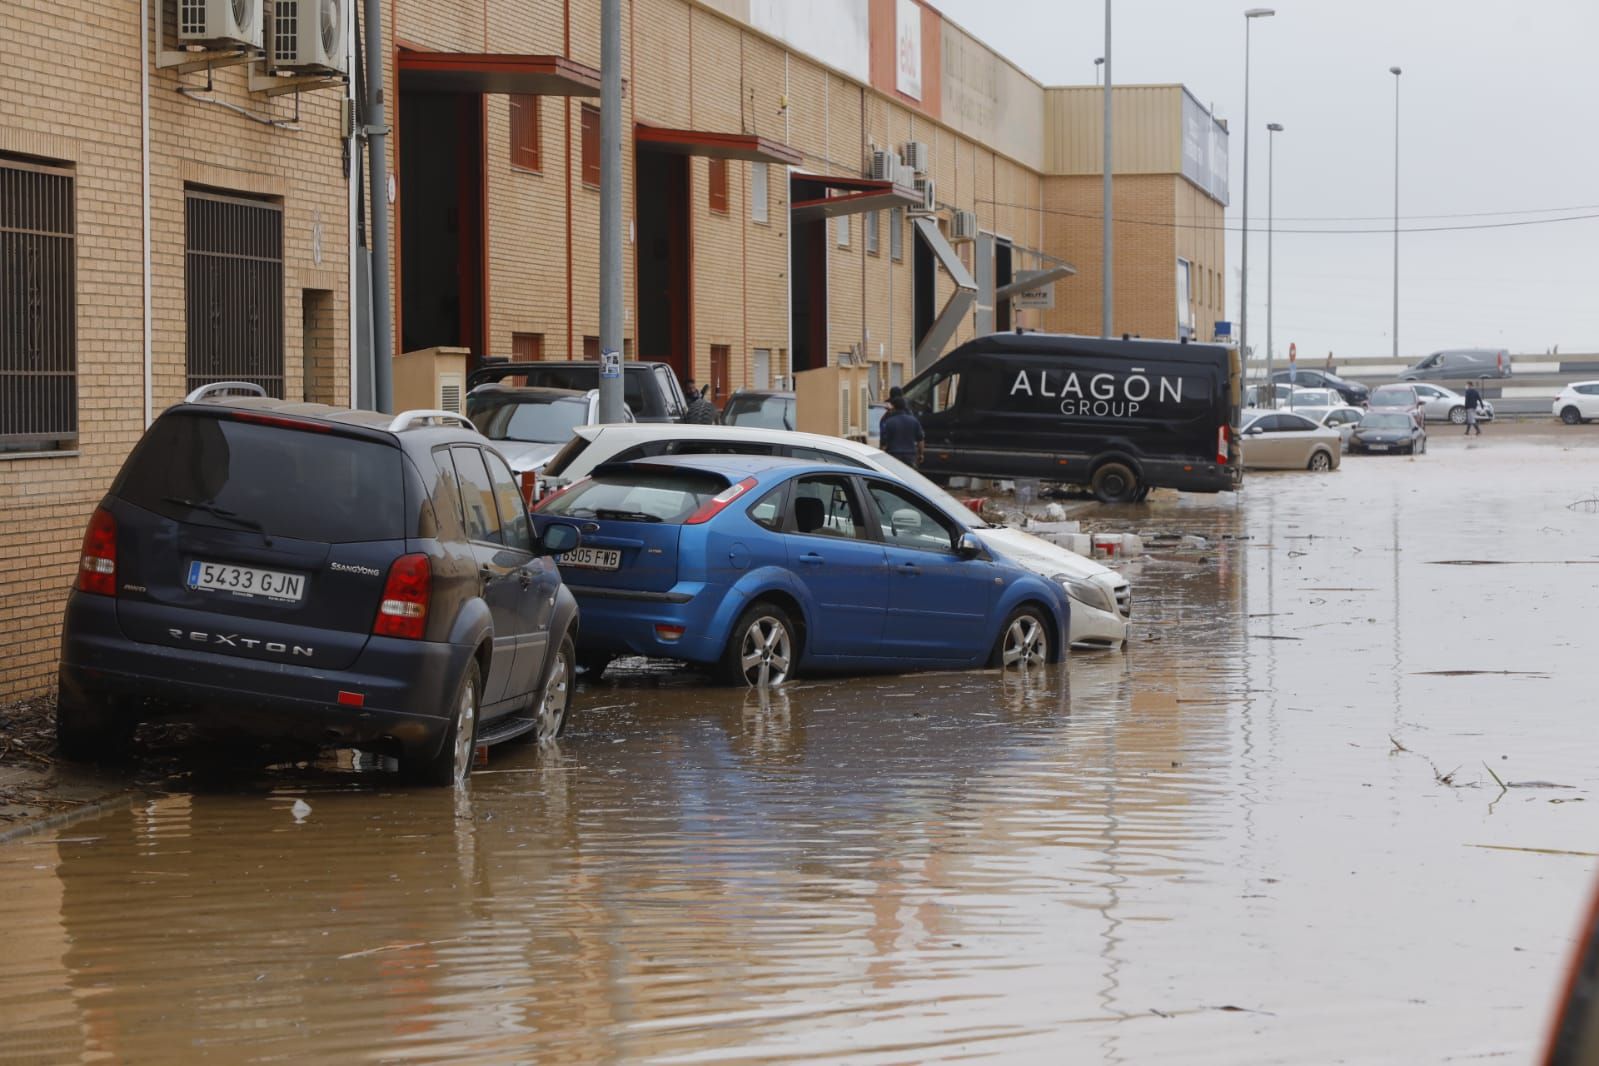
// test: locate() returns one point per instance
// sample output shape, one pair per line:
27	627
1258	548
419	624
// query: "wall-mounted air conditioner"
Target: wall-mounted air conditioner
963	226
307	36
929	195
915	155
220	24
885	166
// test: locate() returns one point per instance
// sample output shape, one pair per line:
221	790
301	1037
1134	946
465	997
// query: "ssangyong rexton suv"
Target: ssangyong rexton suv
299	571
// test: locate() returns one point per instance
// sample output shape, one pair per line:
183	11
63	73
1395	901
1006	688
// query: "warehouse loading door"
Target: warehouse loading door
665	260
441	221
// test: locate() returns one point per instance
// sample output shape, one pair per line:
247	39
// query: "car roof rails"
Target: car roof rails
218	388
424	417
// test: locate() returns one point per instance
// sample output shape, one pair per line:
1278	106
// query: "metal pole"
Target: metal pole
1243	275
1107	299
610	208
1395	71
377	133
1271	196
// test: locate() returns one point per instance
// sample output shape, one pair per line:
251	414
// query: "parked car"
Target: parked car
1101	598
1574	1032
1311	398
1285	440
761	566
759	408
650	390
1399	397
1342	419
1120	417
1352	392
1577	402
1283	395
1439	404
1389	431
340	577
528	425
1460	364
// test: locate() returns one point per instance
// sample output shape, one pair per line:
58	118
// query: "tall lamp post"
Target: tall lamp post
1272	129
1108	286
1243	281
1395	71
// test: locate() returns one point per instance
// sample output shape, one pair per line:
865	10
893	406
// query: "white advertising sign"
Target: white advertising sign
908	48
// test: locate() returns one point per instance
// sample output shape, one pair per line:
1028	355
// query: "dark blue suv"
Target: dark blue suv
312	573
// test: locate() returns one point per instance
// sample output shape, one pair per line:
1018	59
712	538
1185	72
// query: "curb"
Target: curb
31	826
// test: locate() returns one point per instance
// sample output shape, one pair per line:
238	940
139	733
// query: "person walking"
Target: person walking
1473	404
701	411
900	433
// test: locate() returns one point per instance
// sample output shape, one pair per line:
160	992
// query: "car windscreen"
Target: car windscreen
299	484
1385	421
540	420
760	412
637	496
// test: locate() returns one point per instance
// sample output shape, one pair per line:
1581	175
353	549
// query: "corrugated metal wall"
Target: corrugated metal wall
1149	129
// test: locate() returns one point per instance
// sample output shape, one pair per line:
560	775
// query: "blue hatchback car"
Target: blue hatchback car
757	566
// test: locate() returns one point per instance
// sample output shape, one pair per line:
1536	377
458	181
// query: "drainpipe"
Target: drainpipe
352	189
145	44
378	172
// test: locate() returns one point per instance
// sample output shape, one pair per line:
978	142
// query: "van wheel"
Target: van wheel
762	650
555	699
1320	462
1114	483
453	762
1571	416
1457	415
84	735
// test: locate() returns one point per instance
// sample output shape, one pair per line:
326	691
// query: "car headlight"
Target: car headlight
1087	593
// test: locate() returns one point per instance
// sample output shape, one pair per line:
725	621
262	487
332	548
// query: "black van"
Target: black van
1119	416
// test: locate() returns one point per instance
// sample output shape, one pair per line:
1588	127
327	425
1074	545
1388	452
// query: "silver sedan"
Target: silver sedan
1446	405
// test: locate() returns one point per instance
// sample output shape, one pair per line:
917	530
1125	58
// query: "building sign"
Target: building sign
908	48
1105	394
1039	298
1204	150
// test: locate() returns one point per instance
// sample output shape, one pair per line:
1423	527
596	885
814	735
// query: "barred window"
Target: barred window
38	308
234	290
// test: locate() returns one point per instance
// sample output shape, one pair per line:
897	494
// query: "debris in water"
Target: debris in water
301	810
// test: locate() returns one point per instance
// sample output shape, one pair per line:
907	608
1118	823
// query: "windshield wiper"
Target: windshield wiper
223	513
626	516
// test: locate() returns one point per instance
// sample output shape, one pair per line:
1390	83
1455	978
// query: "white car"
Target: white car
1577	402
1342	418
1255	394
1439	404
1101	598
1298	398
528	424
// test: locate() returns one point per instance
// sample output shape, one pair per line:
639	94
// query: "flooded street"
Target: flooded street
1271	831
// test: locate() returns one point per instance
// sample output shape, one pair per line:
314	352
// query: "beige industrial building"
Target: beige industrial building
804	184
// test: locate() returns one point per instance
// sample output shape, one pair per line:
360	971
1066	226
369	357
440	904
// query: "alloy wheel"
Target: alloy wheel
465	731
557	695
1026	643
1320	462
765	652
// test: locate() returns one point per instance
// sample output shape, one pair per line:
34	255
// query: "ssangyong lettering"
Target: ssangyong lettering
355	568
233	640
1105	396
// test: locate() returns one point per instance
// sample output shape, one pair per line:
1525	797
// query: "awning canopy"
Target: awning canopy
852	196
1034	279
749	147
491	72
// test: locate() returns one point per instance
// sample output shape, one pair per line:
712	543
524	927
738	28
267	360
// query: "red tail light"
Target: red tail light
404	610
1221	445
97	563
716	504
530	487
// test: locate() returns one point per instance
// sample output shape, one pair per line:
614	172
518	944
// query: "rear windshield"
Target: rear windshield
637	496
540	420
284	482
760	412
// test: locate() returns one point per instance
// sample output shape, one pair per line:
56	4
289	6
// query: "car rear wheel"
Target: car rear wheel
1023	641
763	649
1114	483
453	762
86	735
1571	416
555	701
1320	461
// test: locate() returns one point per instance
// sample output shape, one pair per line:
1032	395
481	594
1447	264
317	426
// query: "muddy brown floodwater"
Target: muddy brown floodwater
1267	833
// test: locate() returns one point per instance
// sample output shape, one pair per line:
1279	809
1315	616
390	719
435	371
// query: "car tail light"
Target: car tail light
1221	444
718	503
530	486
404	610
97	563
668	633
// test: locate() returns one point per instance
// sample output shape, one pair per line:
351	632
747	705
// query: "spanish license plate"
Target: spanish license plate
1379	447
246	581
592	558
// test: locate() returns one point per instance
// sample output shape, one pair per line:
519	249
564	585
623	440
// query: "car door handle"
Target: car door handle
910	569
812	558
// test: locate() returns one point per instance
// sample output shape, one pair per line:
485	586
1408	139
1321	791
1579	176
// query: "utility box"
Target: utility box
834	401
432	379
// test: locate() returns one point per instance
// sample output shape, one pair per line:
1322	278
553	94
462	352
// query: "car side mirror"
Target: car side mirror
1253	431
968	547
558	537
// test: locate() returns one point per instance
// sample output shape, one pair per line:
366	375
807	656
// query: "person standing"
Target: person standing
1473	403
900	433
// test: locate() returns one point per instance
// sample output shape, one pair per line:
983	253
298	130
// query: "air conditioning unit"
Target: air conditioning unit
307	36
220	24
963	226
451	386
885	166
929	204
915	155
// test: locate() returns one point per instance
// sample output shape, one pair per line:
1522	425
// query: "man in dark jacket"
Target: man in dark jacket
1473	404
900	433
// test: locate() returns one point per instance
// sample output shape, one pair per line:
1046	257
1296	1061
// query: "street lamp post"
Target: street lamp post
1395	71
1108	287
1272	128
1243	280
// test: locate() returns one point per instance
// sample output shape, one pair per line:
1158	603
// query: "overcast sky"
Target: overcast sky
1499	112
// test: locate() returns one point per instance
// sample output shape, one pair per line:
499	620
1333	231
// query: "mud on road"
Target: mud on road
1272	830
